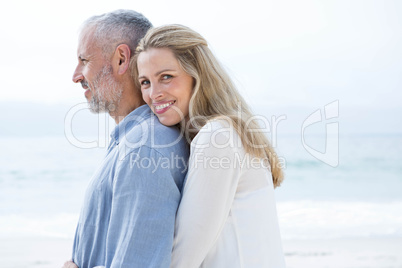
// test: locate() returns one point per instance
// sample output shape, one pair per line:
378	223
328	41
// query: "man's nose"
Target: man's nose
77	75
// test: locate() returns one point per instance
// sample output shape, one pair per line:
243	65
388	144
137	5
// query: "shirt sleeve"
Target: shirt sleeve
144	203
213	176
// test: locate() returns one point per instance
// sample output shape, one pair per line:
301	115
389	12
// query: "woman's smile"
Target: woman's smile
160	108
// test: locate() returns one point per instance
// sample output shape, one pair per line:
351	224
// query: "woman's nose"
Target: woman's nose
155	93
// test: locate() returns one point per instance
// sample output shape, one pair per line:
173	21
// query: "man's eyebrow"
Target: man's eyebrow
83	56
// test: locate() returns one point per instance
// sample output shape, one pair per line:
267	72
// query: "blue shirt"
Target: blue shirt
128	215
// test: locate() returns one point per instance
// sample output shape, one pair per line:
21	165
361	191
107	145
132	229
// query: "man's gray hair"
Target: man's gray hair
117	27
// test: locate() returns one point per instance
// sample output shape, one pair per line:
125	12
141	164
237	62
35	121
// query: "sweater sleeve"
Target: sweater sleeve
213	176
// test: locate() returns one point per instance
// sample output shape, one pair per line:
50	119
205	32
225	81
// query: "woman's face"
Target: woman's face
165	86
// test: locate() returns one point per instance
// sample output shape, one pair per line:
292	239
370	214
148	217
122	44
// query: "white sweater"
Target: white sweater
227	216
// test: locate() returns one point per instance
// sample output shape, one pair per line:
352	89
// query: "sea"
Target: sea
43	180
355	193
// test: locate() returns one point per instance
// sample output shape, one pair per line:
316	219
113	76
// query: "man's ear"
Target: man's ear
121	59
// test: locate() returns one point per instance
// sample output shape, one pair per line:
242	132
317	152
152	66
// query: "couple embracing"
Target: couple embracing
188	179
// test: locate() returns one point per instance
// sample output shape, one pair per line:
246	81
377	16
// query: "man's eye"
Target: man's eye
84	61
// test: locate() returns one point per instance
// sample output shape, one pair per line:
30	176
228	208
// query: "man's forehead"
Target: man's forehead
86	42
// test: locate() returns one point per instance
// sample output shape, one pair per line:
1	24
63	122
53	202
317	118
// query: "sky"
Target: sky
287	57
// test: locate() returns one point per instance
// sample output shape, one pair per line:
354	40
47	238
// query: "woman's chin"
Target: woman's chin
167	121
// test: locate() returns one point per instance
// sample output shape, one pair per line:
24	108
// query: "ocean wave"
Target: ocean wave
336	219
27	225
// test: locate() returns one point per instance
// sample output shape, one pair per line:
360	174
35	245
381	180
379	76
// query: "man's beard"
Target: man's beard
106	92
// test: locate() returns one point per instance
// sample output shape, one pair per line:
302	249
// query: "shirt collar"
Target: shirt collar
134	118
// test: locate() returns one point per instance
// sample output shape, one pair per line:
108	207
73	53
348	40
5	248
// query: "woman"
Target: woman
227	216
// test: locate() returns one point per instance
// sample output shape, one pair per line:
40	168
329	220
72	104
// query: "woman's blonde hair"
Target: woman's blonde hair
214	94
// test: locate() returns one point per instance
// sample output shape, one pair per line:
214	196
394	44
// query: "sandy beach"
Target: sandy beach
331	253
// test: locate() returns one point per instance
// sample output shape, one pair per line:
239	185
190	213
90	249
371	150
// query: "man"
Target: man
128	215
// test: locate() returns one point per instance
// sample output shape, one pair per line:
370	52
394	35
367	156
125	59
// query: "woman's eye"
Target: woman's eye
166	76
144	82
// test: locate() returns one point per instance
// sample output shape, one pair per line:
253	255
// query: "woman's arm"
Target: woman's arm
214	172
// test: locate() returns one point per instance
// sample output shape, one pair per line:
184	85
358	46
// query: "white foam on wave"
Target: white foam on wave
298	220
336	219
22	225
